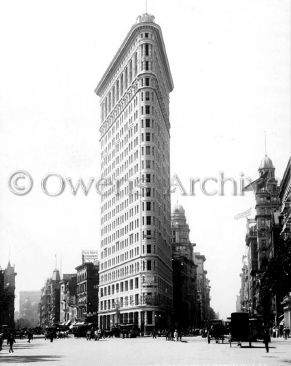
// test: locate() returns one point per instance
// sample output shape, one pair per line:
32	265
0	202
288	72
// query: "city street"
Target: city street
144	351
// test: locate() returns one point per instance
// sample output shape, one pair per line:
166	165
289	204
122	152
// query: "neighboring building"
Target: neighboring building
184	272
29	308
68	299
237	304
244	288
7	296
285	233
261	243
204	312
135	263
87	292
90	256
50	301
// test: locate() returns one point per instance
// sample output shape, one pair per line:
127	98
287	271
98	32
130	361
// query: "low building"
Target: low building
68	299
87	291
7	296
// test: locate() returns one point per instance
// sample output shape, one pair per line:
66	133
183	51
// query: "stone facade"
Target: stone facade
184	272
135	264
7	296
87	291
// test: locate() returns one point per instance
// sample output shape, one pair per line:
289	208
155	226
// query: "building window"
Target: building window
147	109
149	265
147	81
146	49
149	317
148	178
136	282
148	122
149	249
136	299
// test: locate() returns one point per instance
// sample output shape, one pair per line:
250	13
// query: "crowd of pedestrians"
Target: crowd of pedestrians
10	337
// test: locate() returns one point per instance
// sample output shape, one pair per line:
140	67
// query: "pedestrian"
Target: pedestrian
176	335
154	333
1	341
266	339
29	336
51	336
11	341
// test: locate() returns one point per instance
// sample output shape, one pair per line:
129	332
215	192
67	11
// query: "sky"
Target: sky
231	70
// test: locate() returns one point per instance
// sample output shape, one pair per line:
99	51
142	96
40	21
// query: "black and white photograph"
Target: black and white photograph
145	189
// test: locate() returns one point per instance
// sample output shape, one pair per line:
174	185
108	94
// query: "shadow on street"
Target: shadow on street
27	359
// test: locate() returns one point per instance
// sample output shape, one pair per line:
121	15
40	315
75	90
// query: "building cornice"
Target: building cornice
123	50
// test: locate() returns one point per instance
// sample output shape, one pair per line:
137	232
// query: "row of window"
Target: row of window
119	287
125	79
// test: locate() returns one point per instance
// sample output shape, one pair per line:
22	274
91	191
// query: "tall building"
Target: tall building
261	241
135	263
184	272
285	210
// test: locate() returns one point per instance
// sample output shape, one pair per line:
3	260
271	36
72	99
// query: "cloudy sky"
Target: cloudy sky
231	69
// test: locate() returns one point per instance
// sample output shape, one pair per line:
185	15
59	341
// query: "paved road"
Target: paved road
144	351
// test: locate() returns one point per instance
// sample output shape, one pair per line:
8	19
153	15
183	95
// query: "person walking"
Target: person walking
29	336
51	336
266	339
176	335
1	341
11	341
154	333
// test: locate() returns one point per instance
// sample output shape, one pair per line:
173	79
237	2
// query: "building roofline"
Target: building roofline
100	87
286	176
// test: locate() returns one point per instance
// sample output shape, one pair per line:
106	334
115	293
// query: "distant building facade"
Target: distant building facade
50	301
68	299
268	242
261	244
184	272
204	312
29	308
285	232
7	296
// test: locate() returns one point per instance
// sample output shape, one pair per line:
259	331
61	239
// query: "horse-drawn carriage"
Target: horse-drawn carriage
216	331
